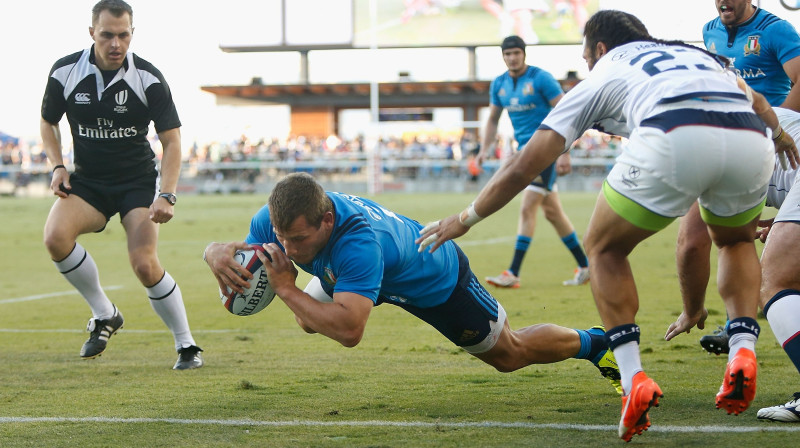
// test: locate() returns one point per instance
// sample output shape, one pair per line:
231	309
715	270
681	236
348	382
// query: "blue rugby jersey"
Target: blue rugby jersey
527	99
371	252
758	49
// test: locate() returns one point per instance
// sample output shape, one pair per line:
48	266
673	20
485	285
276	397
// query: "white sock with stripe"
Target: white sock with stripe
80	271
167	301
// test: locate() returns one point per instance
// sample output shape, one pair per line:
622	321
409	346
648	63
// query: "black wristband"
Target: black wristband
57	167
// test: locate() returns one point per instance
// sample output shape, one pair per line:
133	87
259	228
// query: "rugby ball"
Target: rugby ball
258	295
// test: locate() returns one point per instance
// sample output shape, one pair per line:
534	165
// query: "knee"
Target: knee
693	240
505	365
58	245
551	214
528	213
691	249
147	270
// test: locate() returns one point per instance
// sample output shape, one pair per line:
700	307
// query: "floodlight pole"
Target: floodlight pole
374	162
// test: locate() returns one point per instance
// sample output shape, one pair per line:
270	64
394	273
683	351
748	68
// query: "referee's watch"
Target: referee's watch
170	197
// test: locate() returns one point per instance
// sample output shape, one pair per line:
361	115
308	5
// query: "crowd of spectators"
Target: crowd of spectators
414	147
246	158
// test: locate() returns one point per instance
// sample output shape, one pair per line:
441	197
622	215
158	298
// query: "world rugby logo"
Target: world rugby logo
82	98
121	97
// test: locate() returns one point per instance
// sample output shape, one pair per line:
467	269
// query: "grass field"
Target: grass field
266	383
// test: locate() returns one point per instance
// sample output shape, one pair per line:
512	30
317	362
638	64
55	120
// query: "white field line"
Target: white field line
52	294
384	423
504	239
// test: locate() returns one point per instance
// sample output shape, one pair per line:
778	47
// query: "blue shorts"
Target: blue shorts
546	180
466	317
112	198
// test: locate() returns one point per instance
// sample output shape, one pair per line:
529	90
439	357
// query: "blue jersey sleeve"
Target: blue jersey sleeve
786	41
359	267
548	86
494	98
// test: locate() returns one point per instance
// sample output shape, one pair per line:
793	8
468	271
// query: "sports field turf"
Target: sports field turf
266	383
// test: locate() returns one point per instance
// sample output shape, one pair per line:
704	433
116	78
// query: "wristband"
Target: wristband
57	167
472	217
777	136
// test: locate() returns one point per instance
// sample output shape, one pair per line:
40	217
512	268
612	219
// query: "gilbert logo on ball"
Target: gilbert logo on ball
258	295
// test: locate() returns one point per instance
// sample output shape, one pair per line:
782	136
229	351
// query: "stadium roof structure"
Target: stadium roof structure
465	94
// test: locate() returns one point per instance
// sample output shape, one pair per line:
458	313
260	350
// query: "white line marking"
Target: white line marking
504	239
52	294
383	423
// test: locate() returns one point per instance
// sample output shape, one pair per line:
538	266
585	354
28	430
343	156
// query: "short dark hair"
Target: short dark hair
298	194
116	7
513	42
614	28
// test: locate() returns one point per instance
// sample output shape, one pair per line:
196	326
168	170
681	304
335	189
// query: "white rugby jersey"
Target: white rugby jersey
637	80
782	180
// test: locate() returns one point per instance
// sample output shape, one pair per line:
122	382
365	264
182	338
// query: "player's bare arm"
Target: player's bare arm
342	320
489	133
784	144
161	210
541	150
693	314
792	69
764	226
51	140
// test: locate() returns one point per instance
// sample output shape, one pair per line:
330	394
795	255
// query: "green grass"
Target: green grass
264	370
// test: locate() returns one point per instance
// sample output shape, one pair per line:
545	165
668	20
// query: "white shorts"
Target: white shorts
789	210
727	170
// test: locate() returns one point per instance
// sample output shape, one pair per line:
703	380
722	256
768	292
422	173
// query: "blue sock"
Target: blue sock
593	344
574	246
520	249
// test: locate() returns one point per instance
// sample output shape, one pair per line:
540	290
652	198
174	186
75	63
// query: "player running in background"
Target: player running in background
365	255
110	96
765	51
693	135
528	93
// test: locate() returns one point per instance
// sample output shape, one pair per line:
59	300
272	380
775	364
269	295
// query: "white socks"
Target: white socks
167	301
81	271
629	363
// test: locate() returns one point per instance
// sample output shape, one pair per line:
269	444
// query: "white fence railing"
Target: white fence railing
343	173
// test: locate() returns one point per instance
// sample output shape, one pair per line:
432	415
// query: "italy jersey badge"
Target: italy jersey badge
752	46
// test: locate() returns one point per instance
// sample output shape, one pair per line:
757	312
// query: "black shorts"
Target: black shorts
112	198
465	318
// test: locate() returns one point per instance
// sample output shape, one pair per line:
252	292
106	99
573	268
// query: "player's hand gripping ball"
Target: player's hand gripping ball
258	295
